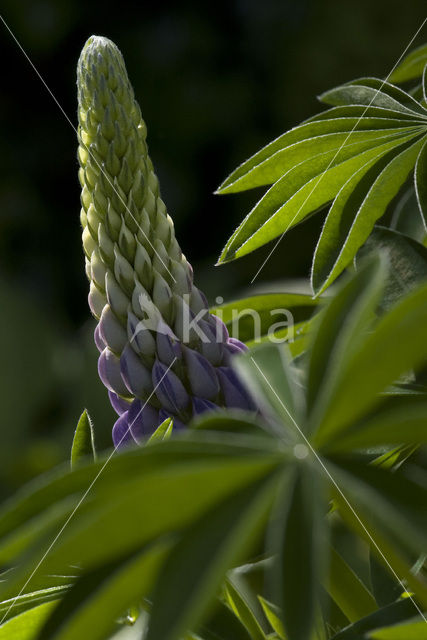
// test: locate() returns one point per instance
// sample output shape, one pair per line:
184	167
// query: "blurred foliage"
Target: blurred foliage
235	75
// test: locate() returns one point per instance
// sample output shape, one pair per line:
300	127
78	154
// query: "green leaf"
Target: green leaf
358	205
421	182
407	260
297	532
114	519
375	92
250	318
388	615
83	441
242	609
347	590
17	605
198	563
412	65
27	624
388	510
385	587
397	345
223	625
269	376
273	615
340	329
249	581
163	431
100	597
265	166
300	192
415	630
390	424
424	85
406	217
232	421
298	144
49	497
361	112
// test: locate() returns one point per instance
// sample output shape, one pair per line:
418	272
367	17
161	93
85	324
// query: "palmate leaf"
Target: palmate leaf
347	590
393	613
299	535
407	260
268	164
245	606
223	624
281	317
44	505
362	173
15	606
241	607
385	588
340	328
345	330
421	182
406	217
27	625
293	147
391	424
397	345
375	503
99	598
360	112
112	522
412	65
251	318
269	376
375	92
274	617
414	630
198	563
301	191
358	205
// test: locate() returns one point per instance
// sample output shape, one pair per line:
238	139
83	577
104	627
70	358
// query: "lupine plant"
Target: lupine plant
265	486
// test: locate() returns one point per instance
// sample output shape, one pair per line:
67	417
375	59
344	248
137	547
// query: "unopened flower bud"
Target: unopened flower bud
162	353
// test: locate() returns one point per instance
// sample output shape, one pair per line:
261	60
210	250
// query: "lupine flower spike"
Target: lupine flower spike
162	354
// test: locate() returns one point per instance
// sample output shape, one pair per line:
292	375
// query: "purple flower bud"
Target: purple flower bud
230	350
168	345
198	301
135	375
120	405
109	372
210	346
164	415
169	388
100	344
139	336
201	375
200	406
121	432
238	343
235	395
111	331
220	328
143	420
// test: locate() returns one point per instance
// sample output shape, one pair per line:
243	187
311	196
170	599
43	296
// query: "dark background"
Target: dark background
216	81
